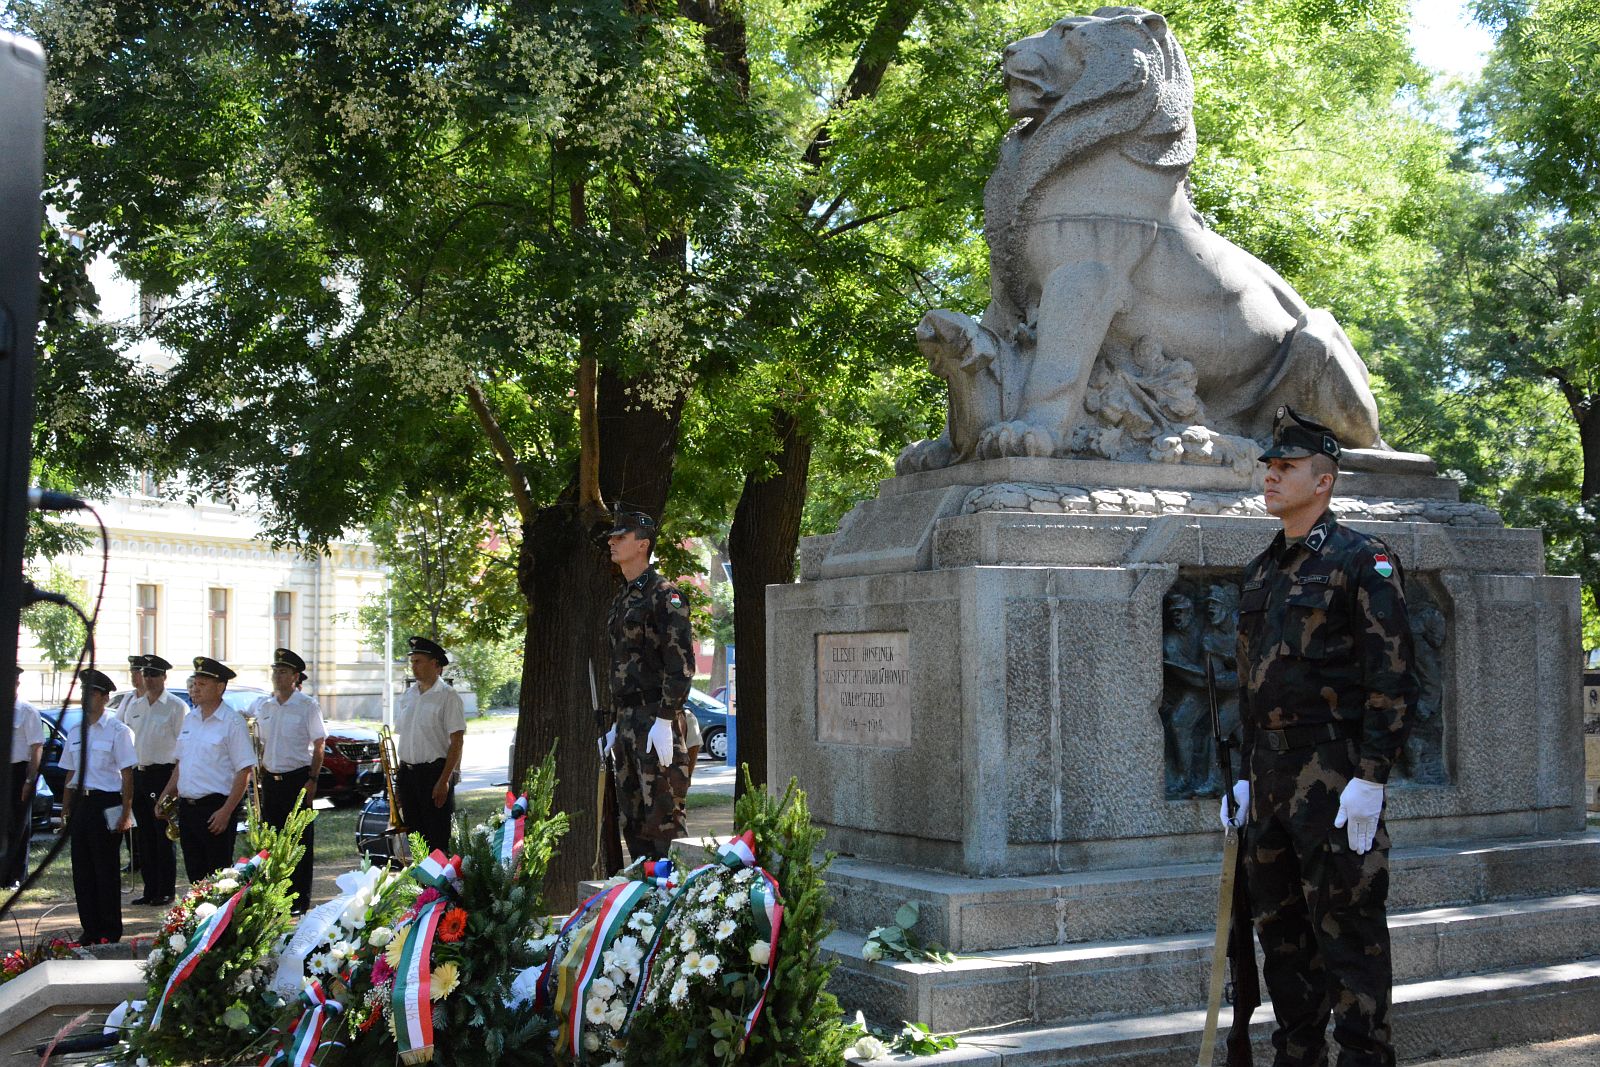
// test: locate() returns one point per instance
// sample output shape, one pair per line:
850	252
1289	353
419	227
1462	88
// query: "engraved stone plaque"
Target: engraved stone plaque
864	689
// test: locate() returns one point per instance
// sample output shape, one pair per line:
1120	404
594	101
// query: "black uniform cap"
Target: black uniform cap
206	667
154	664
92	679
1296	437
421	646
283	657
632	521
136	662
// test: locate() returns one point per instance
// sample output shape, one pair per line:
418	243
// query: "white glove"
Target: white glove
660	740
1360	805
609	742
1241	799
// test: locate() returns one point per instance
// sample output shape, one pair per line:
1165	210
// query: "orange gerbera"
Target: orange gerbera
453	925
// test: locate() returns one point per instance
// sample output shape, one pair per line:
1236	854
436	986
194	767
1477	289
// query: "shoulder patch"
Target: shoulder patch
675	599
1381	564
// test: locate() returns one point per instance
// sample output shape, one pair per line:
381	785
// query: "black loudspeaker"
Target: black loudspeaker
21	222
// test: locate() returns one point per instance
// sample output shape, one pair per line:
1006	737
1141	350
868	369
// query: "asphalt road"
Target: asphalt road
486	759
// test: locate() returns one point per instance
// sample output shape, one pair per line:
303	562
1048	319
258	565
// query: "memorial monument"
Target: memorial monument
986	678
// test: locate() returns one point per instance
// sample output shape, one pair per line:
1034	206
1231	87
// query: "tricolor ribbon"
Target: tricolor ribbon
766	905
583	962
508	840
306	1037
660	873
740	852
542	994
201	941
438	872
410	999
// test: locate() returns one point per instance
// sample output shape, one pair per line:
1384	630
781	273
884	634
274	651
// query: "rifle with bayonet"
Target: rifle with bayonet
607	838
1235	945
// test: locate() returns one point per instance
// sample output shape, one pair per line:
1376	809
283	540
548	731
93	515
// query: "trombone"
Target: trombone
396	832
259	768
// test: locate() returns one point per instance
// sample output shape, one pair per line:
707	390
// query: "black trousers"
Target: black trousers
96	866
15	866
414	785
278	795
203	851
158	860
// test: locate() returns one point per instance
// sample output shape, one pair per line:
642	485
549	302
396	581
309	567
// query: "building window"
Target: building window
145	609
282	619
148	485
217	616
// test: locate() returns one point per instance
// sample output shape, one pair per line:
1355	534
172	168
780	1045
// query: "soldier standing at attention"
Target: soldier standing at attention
1327	699
214	761
98	809
293	736
431	723
155	717
652	666
27	746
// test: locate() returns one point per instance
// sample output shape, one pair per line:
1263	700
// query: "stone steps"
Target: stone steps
1432	1019
972	914
1110	979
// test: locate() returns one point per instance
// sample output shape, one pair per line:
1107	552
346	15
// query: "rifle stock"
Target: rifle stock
1244	987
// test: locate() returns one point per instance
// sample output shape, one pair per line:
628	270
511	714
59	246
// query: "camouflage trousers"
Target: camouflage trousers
1319	910
649	795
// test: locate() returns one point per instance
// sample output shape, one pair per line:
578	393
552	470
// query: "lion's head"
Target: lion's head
1120	59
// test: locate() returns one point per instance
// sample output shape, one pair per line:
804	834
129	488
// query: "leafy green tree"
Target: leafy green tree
58	630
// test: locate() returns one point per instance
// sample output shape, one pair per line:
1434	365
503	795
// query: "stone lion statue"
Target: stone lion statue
1095	250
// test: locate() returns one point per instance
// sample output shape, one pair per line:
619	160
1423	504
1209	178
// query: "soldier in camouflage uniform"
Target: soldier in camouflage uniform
652	666
1329	695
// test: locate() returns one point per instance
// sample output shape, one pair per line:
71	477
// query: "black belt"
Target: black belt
103	794
430	763
1294	737
639	700
298	772
207	799
155	766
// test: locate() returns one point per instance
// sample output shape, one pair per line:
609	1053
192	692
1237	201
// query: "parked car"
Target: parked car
712	714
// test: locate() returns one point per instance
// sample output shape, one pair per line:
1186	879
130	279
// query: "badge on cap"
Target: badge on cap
1381	564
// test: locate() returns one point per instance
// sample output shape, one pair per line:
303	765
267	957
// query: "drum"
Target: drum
373	838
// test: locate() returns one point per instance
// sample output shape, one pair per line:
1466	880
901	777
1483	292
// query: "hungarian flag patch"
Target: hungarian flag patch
1381	564
676	600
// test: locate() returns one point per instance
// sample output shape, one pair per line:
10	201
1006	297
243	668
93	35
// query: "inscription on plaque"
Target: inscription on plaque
864	689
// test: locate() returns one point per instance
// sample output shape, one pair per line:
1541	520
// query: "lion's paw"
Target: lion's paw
1015	439
929	455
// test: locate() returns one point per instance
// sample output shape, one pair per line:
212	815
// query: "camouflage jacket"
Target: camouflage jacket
652	647
1324	638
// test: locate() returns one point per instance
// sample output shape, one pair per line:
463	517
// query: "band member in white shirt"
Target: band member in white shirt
156	718
215	758
98	809
431	722
292	739
27	742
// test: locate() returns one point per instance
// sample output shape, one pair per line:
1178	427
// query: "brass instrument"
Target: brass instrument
388	756
167	809
259	768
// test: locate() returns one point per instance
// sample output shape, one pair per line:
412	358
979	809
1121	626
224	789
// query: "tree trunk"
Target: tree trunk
569	582
1587	414
761	548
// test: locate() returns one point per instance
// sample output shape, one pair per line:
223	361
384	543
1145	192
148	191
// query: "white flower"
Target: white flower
603	988
177	942
615	1015
591	1042
380	937
869	1048
689	939
760	953
744	875
709	964
691	963
709	892
595	1010
725	929
872	951
345	950
535	946
680	990
205	911
225	885
703	915
321	963
141	1062
156	956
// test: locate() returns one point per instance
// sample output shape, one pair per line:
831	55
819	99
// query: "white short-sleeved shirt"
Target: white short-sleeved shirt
110	752
425	721
211	751
288	730
155	727
27	730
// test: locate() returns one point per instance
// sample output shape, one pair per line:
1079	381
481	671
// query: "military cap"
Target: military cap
421	646
136	662
631	521
282	657
93	679
206	667
154	664
1295	437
